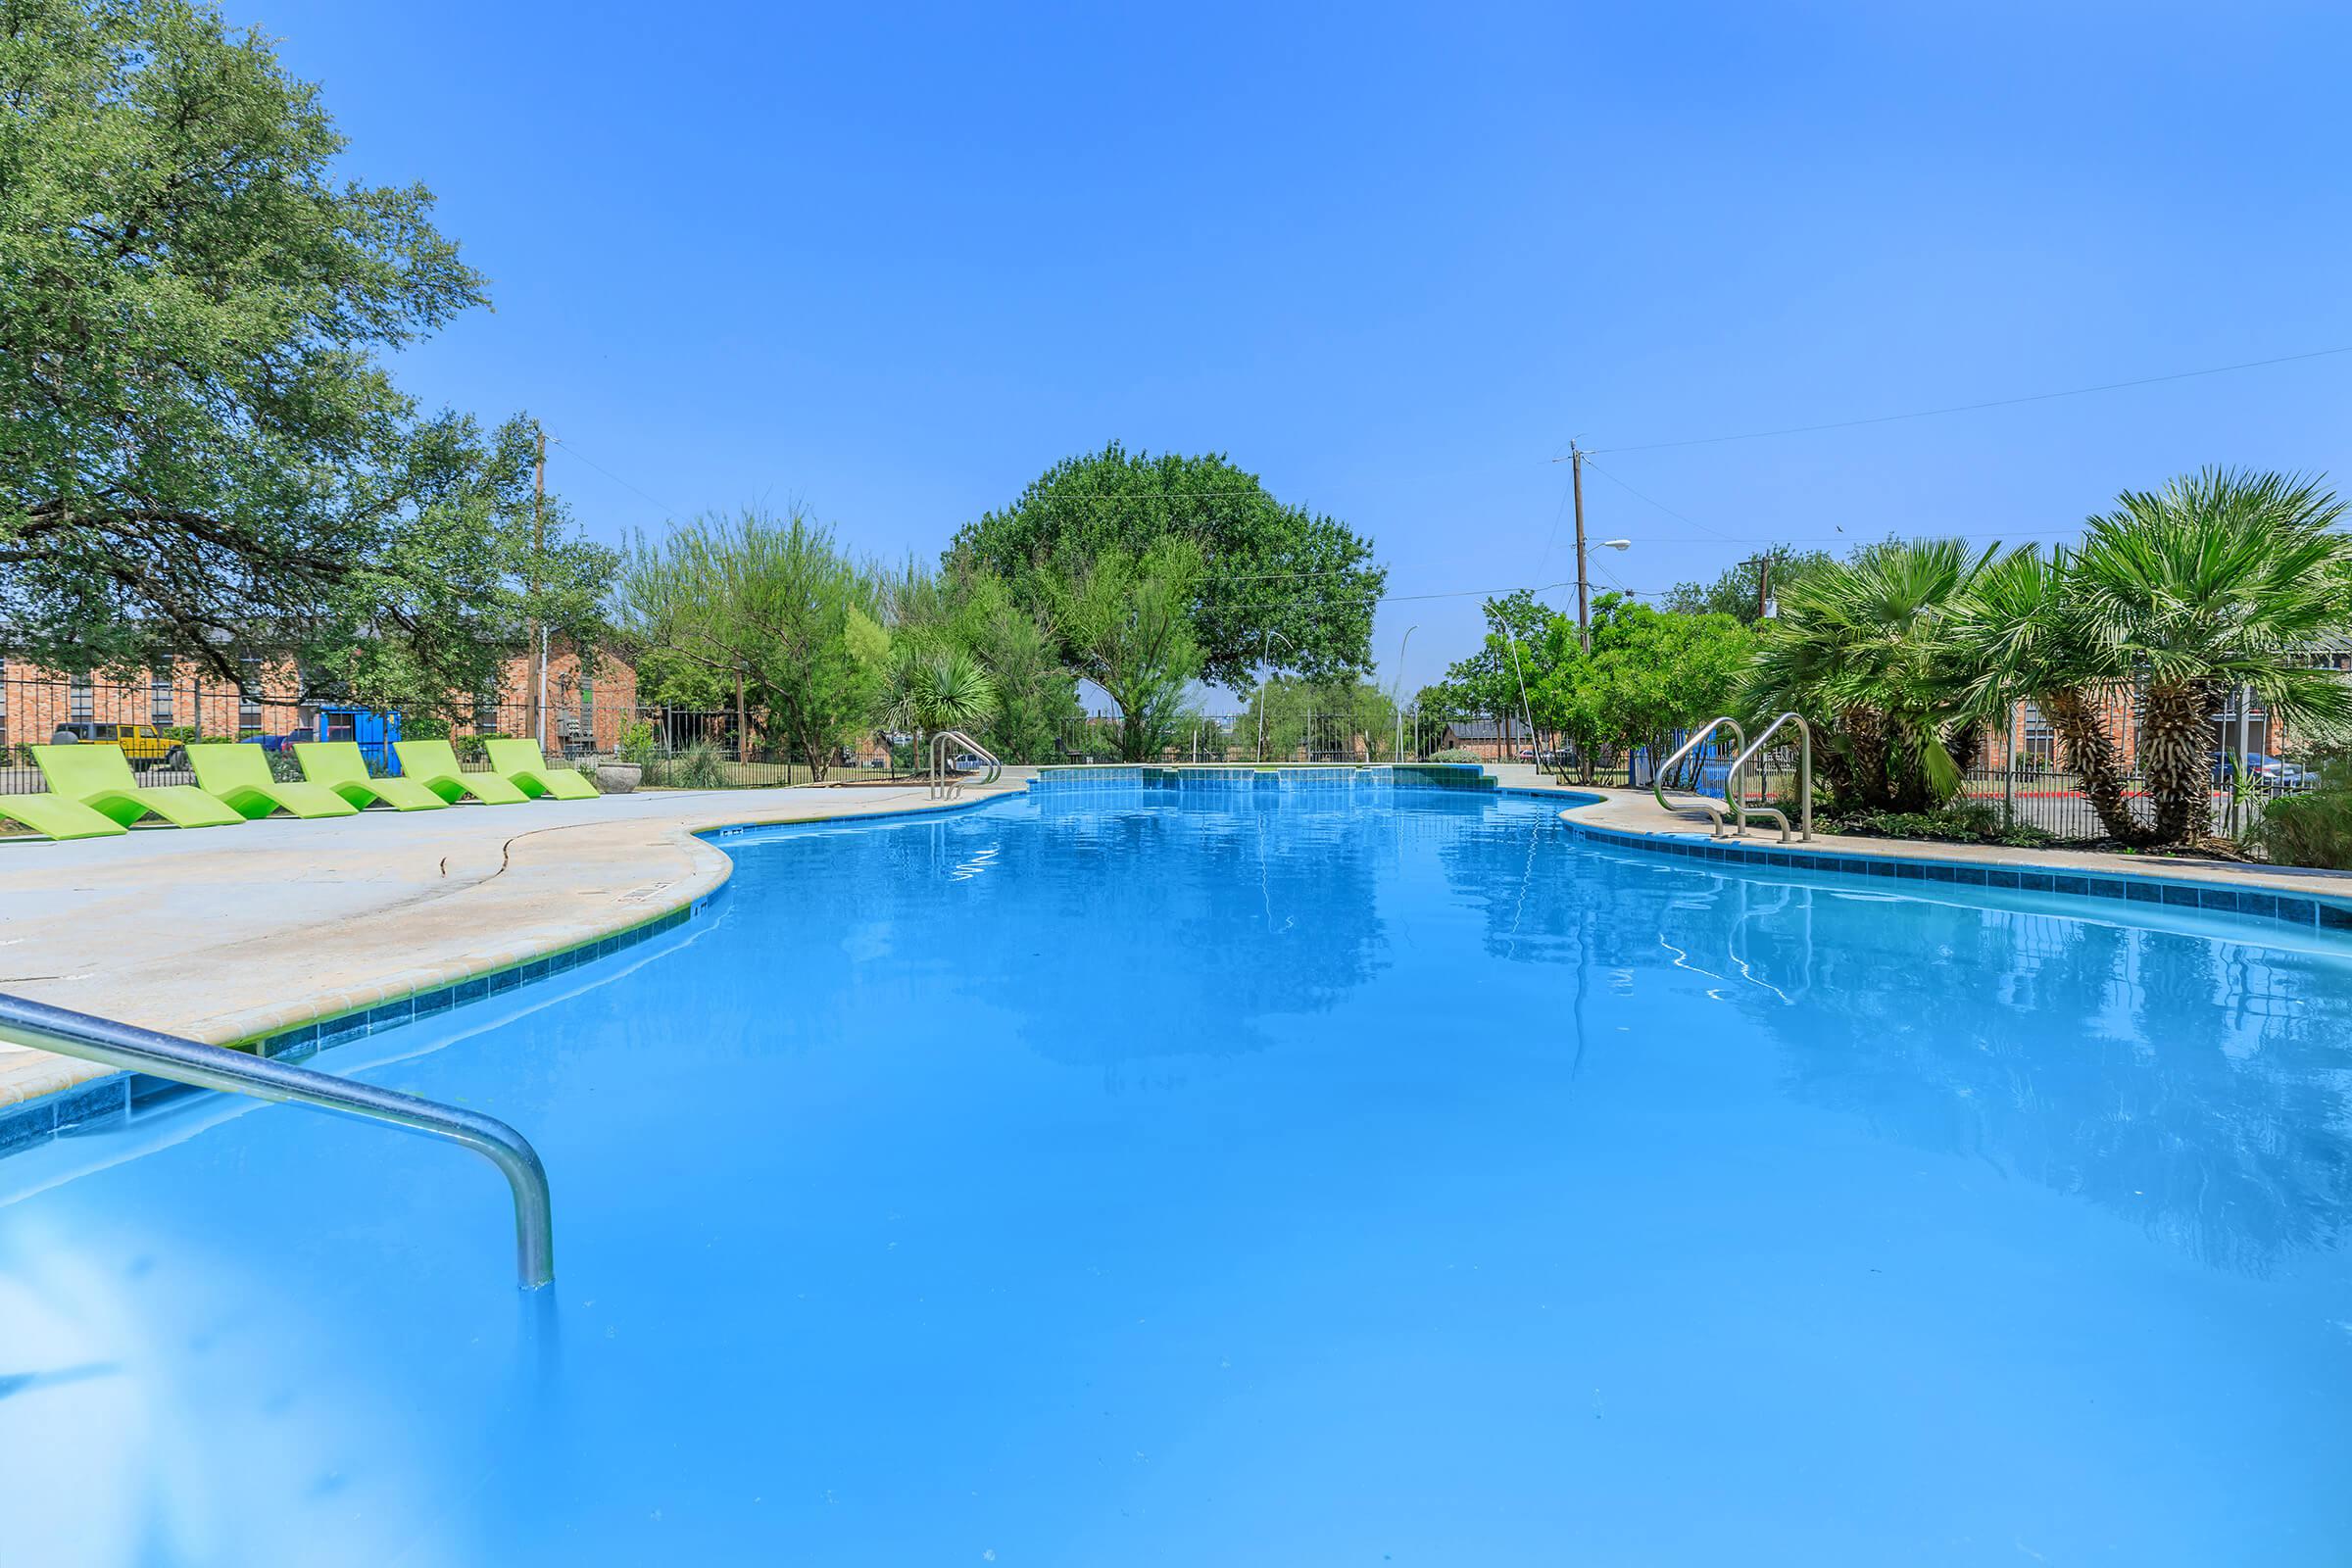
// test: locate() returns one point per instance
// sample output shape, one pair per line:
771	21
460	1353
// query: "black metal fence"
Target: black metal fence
1281	733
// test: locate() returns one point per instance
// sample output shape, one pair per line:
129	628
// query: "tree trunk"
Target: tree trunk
2172	741
742	734
1866	734
2085	747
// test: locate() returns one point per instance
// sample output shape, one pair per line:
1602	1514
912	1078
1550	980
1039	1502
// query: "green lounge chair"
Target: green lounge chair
100	778
523	764
240	775
338	766
57	818
433	765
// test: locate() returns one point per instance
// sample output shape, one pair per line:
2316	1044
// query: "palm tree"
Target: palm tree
1865	646
2216	582
2025	637
936	688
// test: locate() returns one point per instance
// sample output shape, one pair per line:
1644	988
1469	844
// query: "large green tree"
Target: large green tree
200	450
764	611
1276	582
1126	619
1649	673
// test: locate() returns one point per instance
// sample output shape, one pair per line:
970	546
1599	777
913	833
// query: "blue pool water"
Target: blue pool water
1107	1183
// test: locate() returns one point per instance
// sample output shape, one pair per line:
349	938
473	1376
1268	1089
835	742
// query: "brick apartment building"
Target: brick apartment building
584	711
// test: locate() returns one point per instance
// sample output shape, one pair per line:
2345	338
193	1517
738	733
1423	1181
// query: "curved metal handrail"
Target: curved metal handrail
188	1062
1657	777
944	788
1804	776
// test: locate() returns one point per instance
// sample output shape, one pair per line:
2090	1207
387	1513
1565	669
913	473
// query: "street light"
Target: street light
1584	614
1396	697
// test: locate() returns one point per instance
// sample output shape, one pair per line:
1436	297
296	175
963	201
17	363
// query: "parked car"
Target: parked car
2267	772
142	744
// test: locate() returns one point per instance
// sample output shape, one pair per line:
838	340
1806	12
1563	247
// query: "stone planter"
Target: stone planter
618	778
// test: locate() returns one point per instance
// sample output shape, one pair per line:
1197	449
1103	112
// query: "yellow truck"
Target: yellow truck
142	744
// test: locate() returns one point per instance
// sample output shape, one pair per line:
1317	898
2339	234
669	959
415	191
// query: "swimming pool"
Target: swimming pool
1106	1181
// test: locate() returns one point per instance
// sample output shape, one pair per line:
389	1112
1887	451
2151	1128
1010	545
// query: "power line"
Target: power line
1213	609
1989	403
1660	504
676	512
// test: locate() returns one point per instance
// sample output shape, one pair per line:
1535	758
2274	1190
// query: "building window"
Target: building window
82	699
249	692
485	711
587	705
3	701
159	693
2037	741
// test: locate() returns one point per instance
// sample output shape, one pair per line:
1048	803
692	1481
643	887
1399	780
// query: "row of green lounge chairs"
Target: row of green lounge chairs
93	791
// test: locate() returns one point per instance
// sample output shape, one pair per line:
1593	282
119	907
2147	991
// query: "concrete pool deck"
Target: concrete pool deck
1636	812
229	934
224	934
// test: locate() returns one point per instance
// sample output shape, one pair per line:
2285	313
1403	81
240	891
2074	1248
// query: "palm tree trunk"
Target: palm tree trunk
1866	734
2172	739
2088	749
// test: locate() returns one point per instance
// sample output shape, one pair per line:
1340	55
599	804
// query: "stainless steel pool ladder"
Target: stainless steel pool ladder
1715	810
945	786
188	1062
1735	790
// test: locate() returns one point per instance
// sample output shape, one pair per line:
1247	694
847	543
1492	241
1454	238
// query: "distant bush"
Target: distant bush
1454	754
637	742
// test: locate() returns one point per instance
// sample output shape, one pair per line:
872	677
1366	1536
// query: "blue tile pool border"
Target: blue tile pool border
108	1100
2299	911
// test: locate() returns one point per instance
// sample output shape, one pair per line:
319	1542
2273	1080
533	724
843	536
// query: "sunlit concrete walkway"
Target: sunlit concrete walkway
222	934
1636	811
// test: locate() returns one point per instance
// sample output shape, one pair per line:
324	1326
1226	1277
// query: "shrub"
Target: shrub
637	742
1962	823
700	766
2310	829
1454	754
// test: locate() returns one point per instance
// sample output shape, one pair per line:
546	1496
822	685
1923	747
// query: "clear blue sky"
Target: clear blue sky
893	262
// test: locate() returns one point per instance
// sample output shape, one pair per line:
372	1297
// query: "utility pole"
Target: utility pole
1584	610
1763	565
536	674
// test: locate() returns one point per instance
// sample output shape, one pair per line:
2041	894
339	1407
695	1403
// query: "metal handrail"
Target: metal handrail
943	788
1657	777
1804	778
188	1062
